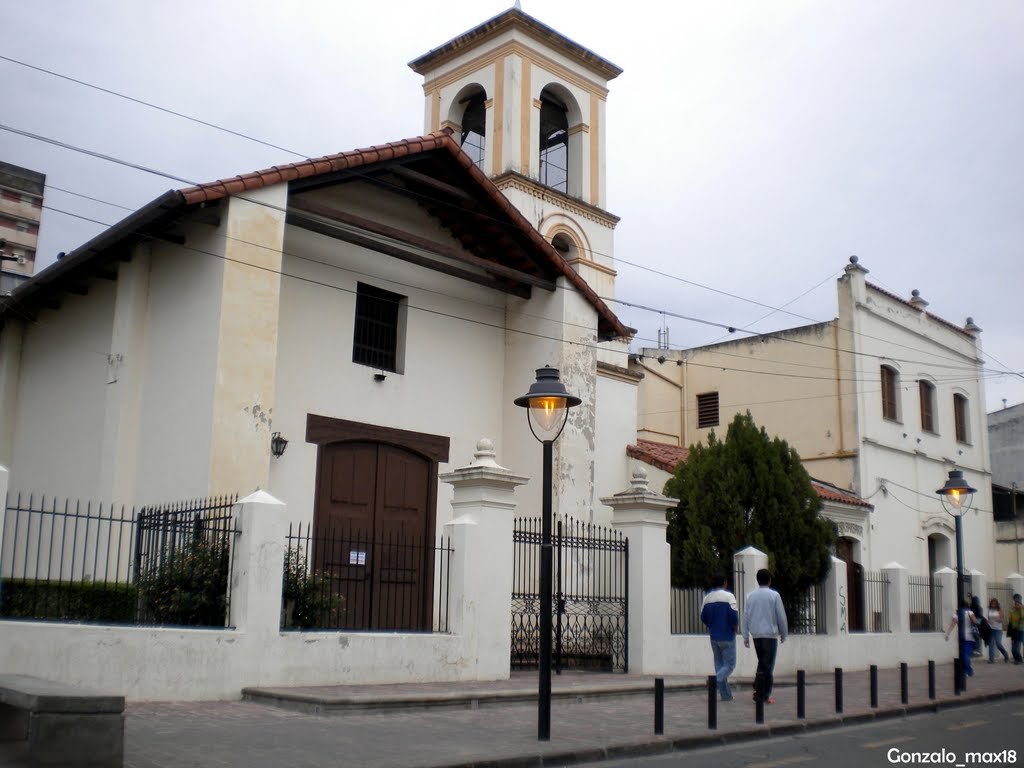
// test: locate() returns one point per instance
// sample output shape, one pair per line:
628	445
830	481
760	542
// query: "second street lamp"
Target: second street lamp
956	496
548	405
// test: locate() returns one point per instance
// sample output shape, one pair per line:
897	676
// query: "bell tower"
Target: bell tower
528	105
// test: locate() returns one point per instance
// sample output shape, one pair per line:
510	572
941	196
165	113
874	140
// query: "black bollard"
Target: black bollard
904	683
659	705
839	690
874	686
931	679
957	677
759	710
801	694
712	702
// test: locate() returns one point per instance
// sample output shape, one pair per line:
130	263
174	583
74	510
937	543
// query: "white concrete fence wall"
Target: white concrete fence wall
193	664
158	663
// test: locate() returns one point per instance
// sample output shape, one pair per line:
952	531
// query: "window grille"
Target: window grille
707	410
375	341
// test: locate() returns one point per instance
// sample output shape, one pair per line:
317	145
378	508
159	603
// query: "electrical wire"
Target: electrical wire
248	137
163	174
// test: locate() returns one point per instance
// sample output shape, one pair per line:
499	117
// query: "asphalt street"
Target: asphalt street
985	734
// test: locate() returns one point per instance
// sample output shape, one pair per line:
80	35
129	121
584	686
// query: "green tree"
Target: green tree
746	490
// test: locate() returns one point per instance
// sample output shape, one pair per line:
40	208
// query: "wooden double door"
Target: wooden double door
373	521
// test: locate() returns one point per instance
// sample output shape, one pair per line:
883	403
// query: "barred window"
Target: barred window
960	418
376	338
890	390
707	410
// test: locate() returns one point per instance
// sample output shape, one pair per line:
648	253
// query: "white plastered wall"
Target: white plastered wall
452	381
59	418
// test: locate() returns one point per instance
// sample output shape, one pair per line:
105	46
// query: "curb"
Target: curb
713	739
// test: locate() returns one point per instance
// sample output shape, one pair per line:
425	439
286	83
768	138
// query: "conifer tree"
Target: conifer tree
748	490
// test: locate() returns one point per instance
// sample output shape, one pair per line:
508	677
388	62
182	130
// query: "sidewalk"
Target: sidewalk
495	724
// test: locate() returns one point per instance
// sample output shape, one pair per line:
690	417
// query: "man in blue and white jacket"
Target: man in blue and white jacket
719	614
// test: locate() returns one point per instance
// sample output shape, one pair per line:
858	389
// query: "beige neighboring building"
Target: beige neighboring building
21	205
880	403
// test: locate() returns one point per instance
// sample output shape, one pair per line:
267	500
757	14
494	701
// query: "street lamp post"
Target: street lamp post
548	405
956	496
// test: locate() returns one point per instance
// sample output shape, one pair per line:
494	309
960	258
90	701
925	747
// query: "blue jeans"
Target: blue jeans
995	641
724	652
968	646
765	648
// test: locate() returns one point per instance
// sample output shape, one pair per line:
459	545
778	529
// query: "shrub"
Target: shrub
308	599
68	600
190	586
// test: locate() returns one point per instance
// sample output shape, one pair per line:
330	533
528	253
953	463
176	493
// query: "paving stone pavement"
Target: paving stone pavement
584	726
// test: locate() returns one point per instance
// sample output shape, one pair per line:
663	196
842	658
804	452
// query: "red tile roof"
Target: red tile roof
609	323
828	492
661	455
666	457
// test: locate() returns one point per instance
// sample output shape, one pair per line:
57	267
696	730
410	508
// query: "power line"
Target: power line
306	156
152	106
163	174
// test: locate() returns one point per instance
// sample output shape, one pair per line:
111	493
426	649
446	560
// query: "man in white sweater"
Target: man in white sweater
764	618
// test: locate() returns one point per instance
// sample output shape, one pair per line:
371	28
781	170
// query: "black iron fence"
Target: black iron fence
925	604
73	561
591	585
352	580
686	603
806	611
876	602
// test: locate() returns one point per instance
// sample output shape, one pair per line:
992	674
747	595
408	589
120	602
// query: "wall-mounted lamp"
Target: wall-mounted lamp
379	377
277	445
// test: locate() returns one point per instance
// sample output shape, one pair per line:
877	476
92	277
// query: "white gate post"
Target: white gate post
748	561
258	570
979	588
483	505
947	578
1016	582
898	597
836	599
640	514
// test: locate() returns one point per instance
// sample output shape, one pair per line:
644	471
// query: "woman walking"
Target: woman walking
995	625
965	623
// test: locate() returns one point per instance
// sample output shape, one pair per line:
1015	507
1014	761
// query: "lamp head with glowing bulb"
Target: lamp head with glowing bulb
548	405
956	493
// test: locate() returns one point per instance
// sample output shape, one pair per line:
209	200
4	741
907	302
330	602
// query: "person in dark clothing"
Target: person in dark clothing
719	614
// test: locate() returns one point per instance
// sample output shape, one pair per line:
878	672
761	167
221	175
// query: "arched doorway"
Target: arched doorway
846	549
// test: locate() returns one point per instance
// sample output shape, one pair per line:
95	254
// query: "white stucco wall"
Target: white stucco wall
58	425
453	374
614	430
915	462
180	368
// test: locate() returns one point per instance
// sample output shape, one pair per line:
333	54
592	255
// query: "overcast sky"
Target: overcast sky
753	146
